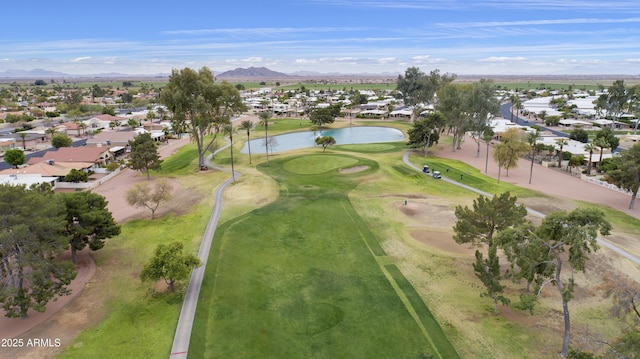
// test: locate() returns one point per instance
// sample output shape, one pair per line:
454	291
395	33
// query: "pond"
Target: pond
343	136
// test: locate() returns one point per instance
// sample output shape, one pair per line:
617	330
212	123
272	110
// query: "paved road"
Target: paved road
602	242
182	336
505	112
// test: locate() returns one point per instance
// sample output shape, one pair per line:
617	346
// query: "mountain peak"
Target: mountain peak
253	72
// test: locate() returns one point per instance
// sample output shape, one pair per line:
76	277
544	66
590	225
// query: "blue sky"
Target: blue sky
482	37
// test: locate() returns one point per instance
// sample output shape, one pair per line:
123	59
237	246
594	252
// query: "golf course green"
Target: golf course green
305	277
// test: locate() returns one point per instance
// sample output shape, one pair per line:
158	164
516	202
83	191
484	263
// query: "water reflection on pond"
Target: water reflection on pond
343	136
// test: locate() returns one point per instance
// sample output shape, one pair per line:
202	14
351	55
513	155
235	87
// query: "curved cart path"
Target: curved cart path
182	337
546	180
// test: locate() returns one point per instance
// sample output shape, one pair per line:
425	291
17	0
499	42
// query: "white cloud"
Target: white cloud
502	59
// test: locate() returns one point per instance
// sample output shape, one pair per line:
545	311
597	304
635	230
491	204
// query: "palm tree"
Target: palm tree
602	143
589	147
264	120
228	129
532	138
487	137
247	125
561	142
23	136
50	131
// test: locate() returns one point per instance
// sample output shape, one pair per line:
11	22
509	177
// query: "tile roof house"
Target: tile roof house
96	155
111	138
103	122
47	168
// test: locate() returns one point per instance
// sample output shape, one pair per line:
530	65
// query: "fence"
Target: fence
606	185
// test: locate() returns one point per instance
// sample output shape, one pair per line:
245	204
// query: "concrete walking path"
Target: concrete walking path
182	336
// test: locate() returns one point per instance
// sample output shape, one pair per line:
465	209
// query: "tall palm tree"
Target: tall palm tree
23	136
228	129
532	139
487	137
601	143
589	147
561	142
264	120
247	125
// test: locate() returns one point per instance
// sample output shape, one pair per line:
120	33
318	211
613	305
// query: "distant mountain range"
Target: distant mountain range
252	72
46	74
239	73
263	73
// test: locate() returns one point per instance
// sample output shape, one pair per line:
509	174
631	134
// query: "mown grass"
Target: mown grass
138	322
445	283
299	277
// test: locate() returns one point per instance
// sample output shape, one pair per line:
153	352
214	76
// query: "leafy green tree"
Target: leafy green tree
426	131
625	295
574	161
247	125
200	105
579	135
76	176
88	221
144	154
264	121
509	150
141	195
451	103
478	226
321	116
419	88
170	264
627	172
609	137
109	110
614	101
325	141
488	271
61	140
15	157
126	97
31	238
567	238
482	105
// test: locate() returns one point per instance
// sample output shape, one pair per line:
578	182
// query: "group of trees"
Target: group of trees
38	226
200	106
536	254
460	108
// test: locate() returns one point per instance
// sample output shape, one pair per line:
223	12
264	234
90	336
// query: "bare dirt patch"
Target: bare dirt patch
354	169
50	325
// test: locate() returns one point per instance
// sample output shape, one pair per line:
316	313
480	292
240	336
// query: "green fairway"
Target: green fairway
305	277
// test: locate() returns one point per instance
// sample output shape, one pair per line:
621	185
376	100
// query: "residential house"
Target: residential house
104	121
97	156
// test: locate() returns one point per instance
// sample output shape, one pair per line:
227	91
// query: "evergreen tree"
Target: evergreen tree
144	154
31	238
